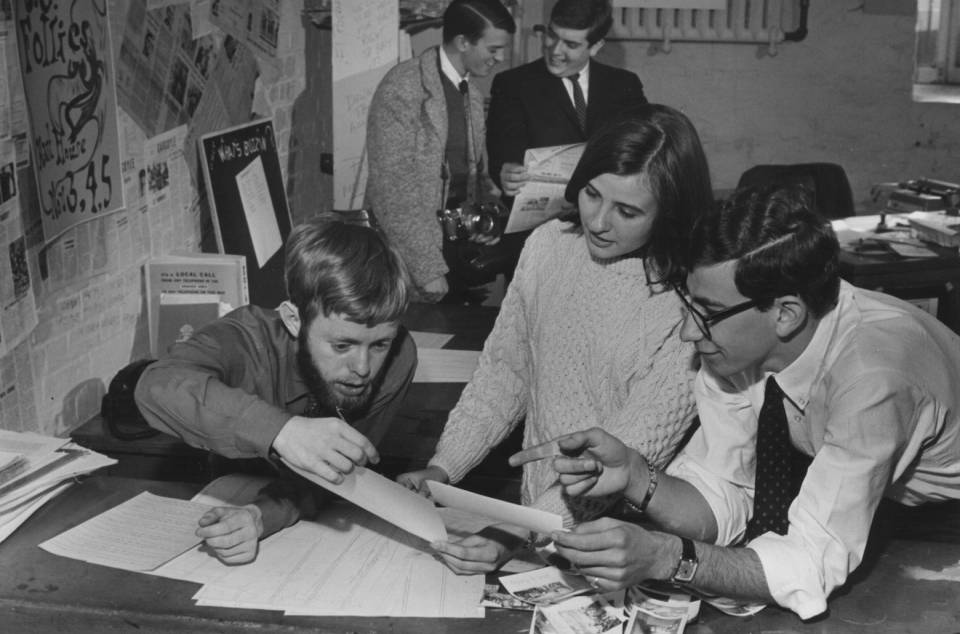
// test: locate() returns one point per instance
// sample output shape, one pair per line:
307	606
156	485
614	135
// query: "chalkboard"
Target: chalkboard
248	203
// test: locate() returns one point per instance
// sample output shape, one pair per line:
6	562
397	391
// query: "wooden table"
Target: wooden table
40	592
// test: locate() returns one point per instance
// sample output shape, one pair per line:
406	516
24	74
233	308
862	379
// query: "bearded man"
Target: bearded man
314	382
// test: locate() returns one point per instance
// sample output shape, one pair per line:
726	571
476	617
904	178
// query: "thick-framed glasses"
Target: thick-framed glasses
704	322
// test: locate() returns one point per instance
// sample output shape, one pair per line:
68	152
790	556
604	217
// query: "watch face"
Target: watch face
685	571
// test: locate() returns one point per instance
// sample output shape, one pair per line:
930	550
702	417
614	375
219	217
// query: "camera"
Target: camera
473	219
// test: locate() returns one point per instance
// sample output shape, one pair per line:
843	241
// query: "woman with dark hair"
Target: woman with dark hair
587	335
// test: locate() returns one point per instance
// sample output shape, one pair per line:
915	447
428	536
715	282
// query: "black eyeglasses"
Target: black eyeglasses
704	322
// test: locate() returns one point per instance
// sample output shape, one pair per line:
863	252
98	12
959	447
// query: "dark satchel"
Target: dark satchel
118	408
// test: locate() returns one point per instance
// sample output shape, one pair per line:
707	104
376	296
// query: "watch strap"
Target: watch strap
687	566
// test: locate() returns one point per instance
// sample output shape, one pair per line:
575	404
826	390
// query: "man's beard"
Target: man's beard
322	392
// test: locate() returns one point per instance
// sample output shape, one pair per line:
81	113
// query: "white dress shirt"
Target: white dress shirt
583	80
875	399
446	67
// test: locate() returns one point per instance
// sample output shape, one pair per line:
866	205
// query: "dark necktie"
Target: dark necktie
780	467
579	103
464	88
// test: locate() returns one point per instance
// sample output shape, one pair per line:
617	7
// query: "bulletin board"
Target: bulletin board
248	203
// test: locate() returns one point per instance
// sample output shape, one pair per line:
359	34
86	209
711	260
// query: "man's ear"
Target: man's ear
461	42
290	317
596	46
791	315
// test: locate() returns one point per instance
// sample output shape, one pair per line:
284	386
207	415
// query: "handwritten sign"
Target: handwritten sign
68	78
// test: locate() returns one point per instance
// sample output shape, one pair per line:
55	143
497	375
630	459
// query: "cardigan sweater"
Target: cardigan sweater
406	142
578	343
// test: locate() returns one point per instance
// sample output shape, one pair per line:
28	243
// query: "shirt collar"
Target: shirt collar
446	67
797	379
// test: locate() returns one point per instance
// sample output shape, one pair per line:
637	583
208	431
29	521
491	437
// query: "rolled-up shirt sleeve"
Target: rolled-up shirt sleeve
719	458
870	439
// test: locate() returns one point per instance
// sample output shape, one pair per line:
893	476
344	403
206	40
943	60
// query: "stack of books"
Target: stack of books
34	468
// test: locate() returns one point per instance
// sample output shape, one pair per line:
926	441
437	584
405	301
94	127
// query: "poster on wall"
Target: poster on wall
68	79
248	203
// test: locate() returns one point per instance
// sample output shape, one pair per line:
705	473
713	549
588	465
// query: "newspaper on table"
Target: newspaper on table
542	197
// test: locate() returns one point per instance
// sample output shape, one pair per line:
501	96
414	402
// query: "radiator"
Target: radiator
747	21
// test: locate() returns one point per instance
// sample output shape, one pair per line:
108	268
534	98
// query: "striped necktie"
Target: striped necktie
579	103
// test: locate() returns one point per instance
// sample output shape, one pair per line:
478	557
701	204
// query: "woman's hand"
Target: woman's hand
482	552
417	480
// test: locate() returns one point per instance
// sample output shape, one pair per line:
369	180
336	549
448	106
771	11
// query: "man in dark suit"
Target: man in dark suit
558	99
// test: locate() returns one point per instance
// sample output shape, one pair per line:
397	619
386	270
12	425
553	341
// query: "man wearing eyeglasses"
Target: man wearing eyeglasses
558	99
823	407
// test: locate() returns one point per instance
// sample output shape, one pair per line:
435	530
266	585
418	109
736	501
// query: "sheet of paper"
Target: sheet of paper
445	366
387	499
139	534
530	518
11	519
258	210
553	163
346	562
461	524
430	339
537	203
542	196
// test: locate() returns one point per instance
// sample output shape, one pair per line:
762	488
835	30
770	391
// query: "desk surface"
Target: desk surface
907	278
40	592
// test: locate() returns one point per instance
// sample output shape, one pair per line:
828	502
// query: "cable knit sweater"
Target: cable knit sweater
578	343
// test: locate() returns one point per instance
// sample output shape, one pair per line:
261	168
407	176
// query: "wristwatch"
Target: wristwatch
687	566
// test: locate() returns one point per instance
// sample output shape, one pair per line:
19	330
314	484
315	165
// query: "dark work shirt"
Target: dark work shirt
235	383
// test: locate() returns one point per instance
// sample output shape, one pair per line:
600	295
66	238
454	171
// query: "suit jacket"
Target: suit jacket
406	140
530	108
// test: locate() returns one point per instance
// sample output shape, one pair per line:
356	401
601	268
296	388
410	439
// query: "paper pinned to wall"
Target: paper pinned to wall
258	209
365	36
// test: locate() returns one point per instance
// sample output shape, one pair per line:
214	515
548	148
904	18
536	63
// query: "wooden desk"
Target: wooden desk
40	592
907	278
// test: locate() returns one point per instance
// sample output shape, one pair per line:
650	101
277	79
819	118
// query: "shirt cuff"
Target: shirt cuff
729	504
258	436
792	579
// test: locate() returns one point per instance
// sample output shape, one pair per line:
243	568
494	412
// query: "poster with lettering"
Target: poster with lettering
68	78
248	203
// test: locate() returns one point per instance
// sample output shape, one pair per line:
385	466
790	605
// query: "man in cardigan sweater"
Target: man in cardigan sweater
419	155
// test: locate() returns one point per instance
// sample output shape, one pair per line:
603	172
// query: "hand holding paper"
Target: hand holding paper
387	499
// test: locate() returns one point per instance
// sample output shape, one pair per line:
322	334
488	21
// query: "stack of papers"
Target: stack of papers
369	558
35	468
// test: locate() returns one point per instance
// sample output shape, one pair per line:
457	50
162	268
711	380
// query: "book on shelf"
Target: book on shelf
186	291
